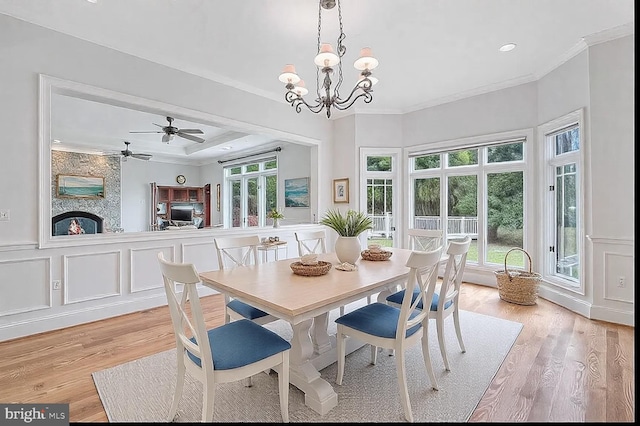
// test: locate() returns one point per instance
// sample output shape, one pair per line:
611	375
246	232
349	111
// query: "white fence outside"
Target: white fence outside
383	225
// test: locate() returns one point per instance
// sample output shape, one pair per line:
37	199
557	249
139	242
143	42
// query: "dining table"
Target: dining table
305	302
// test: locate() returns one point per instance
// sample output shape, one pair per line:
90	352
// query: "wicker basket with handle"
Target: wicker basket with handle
518	286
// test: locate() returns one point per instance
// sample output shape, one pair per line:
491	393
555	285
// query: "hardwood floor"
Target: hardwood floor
563	367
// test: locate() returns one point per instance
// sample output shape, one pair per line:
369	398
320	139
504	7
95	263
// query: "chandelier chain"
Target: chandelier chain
318	49
342	49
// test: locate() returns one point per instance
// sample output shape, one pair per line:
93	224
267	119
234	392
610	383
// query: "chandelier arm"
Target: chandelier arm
296	101
340	105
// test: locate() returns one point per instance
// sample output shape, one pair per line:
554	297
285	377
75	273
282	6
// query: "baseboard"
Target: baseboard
616	316
61	320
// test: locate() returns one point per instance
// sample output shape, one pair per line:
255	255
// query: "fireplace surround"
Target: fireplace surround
91	223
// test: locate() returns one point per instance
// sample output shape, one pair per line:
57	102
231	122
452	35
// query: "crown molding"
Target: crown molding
610	34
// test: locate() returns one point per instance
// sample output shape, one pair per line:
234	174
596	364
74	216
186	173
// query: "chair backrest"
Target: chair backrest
237	251
424	239
186	325
311	242
452	277
423	275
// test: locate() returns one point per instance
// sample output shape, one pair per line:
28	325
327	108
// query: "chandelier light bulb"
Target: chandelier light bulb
326	57
300	88
366	60
289	75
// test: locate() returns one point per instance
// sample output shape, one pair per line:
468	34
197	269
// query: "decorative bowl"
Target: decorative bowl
375	255
310	270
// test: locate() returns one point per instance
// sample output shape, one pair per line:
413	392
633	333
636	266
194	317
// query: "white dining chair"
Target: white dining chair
311	242
445	302
424	239
235	252
229	353
390	327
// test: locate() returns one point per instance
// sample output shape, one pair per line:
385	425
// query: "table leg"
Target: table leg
319	335
319	394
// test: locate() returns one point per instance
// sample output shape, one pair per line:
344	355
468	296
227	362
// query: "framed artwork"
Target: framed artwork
72	186
296	192
341	190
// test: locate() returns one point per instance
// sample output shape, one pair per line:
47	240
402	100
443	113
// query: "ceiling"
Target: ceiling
430	51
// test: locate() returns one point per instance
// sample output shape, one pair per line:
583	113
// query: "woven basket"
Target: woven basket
375	255
518	286
310	270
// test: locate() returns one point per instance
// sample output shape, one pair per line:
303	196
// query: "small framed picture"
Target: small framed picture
341	190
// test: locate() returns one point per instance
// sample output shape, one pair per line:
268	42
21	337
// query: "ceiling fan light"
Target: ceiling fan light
326	57
289	75
366	60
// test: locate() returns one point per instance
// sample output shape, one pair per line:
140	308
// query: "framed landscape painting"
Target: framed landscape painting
296	192
71	186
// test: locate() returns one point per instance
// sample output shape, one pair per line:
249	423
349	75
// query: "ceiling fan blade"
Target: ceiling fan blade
142	156
198	131
191	138
152	131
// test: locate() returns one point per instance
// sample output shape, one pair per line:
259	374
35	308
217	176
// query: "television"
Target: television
182	213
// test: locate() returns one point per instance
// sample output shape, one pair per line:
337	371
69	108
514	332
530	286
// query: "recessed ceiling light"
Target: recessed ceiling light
92	1
226	148
507	47
56	141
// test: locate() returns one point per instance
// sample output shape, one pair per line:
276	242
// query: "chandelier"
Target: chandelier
326	60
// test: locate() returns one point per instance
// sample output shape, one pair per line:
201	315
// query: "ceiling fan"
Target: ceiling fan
127	153
170	131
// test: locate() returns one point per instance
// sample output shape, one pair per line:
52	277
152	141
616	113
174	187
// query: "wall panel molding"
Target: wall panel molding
91	276
21	296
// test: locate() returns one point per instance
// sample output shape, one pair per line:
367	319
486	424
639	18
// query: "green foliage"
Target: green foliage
350	225
275	214
379	164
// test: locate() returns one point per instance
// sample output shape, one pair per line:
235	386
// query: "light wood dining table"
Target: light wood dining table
305	302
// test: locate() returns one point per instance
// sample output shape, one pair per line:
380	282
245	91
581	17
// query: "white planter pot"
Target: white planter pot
276	223
348	249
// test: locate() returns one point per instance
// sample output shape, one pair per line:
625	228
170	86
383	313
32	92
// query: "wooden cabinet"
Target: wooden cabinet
174	204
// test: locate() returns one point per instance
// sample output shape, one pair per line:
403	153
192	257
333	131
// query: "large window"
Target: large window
476	189
379	174
562	142
252	191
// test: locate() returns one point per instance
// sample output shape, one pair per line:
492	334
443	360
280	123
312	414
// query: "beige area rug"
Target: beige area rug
142	390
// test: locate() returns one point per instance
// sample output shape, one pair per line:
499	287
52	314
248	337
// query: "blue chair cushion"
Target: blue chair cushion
247	311
398	296
377	319
241	343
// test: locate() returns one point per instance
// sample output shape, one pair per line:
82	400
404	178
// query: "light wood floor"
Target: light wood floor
563	367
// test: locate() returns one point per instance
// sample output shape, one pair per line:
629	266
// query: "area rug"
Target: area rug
142	390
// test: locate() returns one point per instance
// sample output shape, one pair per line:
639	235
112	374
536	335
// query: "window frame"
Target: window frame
548	161
243	177
481	170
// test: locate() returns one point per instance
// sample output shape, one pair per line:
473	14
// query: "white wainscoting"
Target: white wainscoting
25	285
91	276
145	273
101	277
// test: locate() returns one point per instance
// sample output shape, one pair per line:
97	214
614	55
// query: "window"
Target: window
252	191
562	144
379	178
473	187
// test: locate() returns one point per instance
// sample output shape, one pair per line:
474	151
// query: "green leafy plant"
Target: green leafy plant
351	224
275	214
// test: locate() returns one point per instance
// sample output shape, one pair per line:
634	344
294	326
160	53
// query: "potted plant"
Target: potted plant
276	215
348	226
